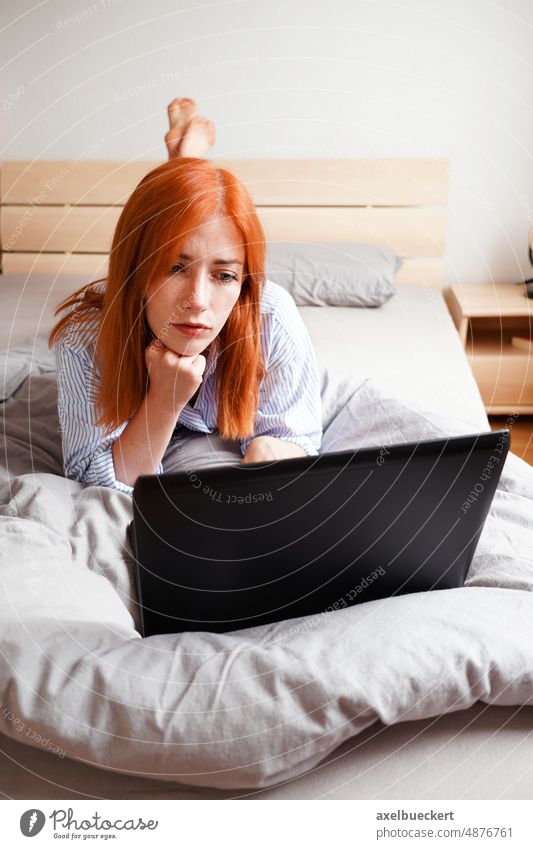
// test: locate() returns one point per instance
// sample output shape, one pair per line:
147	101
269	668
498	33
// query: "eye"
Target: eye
226	277
177	267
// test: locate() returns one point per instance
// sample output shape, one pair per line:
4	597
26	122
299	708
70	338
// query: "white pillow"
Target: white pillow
334	274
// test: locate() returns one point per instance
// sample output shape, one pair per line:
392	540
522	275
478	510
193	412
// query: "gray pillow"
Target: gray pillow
334	274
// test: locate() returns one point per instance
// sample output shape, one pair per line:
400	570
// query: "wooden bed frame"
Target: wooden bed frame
60	216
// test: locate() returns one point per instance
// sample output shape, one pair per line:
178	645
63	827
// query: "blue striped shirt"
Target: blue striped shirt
289	397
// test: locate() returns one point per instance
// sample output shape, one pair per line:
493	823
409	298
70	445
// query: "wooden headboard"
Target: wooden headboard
60	216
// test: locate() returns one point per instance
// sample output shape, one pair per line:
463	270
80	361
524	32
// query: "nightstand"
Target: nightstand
487	316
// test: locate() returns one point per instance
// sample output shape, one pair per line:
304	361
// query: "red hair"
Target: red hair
167	205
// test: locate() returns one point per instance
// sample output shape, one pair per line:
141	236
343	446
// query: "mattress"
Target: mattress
411	346
480	753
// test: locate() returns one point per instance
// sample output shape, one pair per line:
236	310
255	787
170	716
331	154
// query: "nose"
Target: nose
197	294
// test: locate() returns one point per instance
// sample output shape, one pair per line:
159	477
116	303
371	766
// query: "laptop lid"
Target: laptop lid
231	547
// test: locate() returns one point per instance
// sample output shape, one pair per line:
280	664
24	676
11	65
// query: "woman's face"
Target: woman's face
202	287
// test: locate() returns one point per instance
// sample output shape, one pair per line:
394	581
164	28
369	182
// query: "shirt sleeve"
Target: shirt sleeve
290	406
87	450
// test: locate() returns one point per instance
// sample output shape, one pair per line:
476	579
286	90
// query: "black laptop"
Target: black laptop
231	547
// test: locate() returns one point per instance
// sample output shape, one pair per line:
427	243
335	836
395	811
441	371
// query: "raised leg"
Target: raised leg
188	134
180	111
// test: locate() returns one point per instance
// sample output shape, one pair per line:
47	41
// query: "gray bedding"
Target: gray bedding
249	708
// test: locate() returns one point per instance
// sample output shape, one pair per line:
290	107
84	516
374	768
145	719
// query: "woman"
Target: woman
184	344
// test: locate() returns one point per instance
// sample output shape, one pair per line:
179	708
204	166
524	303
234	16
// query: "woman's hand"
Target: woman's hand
265	448
173	378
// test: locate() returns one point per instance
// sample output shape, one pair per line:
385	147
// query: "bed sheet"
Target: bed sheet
319	684
245	709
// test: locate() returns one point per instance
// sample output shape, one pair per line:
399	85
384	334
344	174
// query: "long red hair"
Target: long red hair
166	206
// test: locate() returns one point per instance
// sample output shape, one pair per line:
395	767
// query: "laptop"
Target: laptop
232	547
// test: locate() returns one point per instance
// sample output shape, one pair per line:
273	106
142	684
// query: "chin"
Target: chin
189	350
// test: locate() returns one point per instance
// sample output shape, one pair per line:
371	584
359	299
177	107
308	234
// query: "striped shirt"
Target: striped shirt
289	397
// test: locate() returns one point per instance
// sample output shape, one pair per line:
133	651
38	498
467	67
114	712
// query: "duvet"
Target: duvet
253	707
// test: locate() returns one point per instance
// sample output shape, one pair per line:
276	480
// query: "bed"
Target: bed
432	697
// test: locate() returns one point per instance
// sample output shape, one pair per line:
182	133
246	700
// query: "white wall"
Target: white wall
293	78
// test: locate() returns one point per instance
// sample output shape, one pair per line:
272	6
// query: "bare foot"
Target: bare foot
198	137
180	113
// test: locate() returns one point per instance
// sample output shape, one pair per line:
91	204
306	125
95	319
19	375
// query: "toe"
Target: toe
196	124
180	110
188	108
174	111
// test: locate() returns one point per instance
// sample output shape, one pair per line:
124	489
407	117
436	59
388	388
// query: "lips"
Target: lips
192	324
192	329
